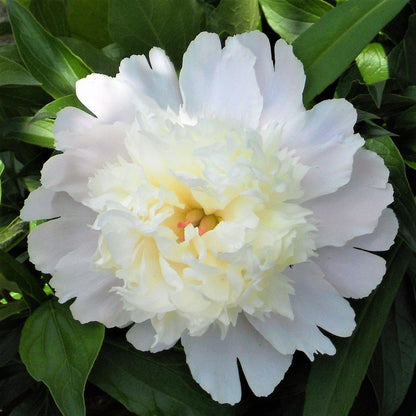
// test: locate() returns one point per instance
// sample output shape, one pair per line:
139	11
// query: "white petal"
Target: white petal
213	362
51	241
317	302
38	205
71	121
220	83
354	273
324	140
159	82
143	338
259	45
70	171
383	236
95	300
287	335
74	129
283	93
43	204
355	208
110	99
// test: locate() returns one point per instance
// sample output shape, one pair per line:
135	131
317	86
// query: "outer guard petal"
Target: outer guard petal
213	361
315	304
383	236
220	83
95	300
158	82
51	241
355	208
283	94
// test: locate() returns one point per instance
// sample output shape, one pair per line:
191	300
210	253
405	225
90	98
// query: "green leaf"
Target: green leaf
52	14
402	59
1	171
51	110
93	57
13	233
372	63
12	73
88	20
334	381
24	129
14	271
139	25
12	308
152	384
60	352
329	46
393	364
46	57
289	18
404	204
235	16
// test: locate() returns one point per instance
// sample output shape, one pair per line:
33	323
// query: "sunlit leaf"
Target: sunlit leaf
331	44
372	63
289	18
60	351
26	130
46	57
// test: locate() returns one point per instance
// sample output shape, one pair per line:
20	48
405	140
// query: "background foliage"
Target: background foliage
364	51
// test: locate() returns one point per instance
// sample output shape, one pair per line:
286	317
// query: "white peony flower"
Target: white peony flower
214	210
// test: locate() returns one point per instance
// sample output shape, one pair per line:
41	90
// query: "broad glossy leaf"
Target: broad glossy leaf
152	384
24	129
402	59
16	272
335	381
12	308
235	16
289	18
51	110
93	57
46	57
372	63
404	204
60	352
52	14
12	73
88	20
331	44
393	364
139	25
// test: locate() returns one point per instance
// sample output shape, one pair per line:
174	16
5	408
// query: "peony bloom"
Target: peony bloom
214	210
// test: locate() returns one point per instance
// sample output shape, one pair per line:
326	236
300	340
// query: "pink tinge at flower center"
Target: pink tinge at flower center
199	219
